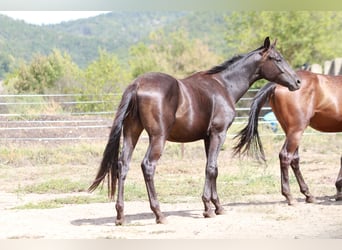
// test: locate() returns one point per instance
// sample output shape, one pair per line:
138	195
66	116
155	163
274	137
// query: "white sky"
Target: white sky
50	17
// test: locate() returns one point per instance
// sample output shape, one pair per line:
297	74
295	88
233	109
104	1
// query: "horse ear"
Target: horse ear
274	43
267	43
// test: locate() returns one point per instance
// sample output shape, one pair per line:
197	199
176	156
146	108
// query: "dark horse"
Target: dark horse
201	106
317	104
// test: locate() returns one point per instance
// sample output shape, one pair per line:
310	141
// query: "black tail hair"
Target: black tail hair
248	138
109	164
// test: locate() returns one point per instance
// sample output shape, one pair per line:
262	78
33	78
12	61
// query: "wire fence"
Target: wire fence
66	117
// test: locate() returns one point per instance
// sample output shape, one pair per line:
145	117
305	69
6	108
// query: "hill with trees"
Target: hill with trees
103	54
113	32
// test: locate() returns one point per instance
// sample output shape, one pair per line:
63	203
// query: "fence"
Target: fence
57	117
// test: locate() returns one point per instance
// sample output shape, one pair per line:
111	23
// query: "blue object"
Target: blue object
272	120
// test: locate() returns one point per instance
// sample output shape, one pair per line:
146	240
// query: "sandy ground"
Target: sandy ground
253	217
267	217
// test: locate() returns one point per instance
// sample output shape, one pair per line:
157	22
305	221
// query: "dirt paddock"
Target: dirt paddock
257	216
267	217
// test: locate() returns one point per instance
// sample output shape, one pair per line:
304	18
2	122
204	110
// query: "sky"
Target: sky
50	17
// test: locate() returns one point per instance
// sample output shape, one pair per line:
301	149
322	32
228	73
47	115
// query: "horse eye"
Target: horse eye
277	59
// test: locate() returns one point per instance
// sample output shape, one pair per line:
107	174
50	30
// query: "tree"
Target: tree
44	74
173	53
102	77
303	36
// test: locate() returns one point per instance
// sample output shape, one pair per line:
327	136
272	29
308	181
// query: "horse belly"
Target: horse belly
185	132
324	123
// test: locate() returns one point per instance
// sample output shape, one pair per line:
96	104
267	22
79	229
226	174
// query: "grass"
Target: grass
55	186
18	155
70	168
59	202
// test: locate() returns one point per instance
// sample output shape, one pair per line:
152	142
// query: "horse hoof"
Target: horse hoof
208	214
220	211
119	222
162	220
310	199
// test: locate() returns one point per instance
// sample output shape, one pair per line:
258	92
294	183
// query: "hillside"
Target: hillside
114	32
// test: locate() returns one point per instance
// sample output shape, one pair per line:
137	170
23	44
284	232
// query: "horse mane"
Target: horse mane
225	65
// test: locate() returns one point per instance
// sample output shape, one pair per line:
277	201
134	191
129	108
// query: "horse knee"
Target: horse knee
211	171
148	170
284	158
122	170
295	161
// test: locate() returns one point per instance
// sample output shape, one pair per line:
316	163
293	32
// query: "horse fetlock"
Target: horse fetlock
338	196
161	220
290	200
120	221
338	185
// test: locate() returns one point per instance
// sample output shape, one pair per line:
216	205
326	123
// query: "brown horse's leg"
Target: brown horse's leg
289	156
284	175
302	185
131	135
286	156
338	184
148	167
212	146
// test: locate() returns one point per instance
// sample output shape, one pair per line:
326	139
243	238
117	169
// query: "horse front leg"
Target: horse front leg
286	157
212	146
338	184
148	167
304	189
285	160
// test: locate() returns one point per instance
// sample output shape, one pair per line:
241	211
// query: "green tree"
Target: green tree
102	79
44	74
303	36
173	53
142	60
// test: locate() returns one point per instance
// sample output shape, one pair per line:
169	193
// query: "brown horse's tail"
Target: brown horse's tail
248	138
109	164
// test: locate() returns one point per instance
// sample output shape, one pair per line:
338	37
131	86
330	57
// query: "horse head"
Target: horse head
275	68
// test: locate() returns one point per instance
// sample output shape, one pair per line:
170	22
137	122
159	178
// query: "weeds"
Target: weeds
70	168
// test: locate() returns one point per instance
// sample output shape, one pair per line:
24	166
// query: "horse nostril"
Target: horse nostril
298	81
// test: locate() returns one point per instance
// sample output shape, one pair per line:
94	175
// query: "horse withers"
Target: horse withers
198	107
317	104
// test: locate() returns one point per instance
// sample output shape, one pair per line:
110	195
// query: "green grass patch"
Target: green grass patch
56	203
39	154
54	186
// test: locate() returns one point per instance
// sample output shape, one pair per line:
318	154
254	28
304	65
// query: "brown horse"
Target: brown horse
317	104
201	106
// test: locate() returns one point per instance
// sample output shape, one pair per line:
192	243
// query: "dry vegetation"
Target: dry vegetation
49	176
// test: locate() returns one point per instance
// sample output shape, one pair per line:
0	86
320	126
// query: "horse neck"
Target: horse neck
239	78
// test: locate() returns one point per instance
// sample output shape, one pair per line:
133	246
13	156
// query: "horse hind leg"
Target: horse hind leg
338	184
148	167
304	189
131	134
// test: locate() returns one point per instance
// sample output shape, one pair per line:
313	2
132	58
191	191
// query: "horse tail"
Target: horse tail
109	163
248	138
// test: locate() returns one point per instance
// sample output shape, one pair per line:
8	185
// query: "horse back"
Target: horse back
318	103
